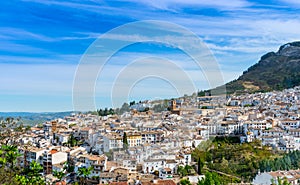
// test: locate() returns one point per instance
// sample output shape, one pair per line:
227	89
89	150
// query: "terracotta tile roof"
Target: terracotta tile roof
93	157
35	128
168	169
53	151
118	183
166	182
61	183
85	129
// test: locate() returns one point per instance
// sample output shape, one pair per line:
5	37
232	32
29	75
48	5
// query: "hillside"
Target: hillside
30	118
274	71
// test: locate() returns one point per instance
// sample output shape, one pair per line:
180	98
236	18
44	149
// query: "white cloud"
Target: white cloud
13	47
171	4
17	33
291	2
238	36
55	59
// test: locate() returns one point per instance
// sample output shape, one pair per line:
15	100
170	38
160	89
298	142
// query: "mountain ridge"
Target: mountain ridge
274	71
32	118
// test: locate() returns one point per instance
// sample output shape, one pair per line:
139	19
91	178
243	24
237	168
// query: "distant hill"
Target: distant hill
30	118
274	71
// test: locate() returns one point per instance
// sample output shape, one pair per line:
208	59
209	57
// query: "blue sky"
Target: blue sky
42	42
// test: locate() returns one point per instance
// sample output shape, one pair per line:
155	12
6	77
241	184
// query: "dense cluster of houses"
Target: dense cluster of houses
158	143
292	176
85	140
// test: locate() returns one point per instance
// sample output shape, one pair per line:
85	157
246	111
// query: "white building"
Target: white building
112	141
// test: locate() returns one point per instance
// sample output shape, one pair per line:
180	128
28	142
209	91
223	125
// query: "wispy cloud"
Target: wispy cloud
18	48
17	33
171	4
291	2
39	60
100	7
10	33
42	41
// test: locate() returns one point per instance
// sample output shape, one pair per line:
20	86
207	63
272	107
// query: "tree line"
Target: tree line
289	161
106	112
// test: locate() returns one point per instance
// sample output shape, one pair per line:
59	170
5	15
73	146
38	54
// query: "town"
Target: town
144	146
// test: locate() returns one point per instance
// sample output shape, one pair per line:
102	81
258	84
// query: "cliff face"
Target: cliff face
290	50
275	71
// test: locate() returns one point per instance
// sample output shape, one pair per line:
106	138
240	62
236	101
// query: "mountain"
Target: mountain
32	118
274	71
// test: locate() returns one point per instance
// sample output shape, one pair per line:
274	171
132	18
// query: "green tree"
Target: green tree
184	171
105	112
11	154
111	111
2	158
32	175
185	182
273	182
210	179
7	174
188	169
69	167
72	141
224	163
10	131
181	171
287	162
100	112
84	173
200	165
59	174
125	141
283	181
131	103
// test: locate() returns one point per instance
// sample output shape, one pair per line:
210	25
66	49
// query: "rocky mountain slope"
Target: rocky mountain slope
275	71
